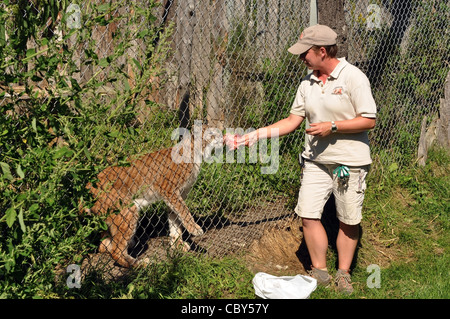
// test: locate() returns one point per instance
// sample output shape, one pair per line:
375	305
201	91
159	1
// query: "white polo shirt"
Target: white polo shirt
345	95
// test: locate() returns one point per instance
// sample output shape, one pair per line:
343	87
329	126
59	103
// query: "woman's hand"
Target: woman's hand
319	129
233	141
248	139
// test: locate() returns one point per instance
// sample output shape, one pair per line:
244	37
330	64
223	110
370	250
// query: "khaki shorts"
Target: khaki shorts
318	182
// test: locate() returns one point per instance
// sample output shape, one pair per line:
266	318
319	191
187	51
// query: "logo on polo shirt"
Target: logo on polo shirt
337	90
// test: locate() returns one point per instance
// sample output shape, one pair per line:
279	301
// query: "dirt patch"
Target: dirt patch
279	250
233	234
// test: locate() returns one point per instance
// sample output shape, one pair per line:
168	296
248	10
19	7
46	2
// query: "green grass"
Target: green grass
183	276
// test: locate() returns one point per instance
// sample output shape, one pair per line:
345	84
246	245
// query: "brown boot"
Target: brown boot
343	282
322	276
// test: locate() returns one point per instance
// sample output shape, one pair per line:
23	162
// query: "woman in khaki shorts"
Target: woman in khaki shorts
337	101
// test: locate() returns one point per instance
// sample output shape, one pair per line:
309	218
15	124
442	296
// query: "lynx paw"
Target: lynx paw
198	231
178	243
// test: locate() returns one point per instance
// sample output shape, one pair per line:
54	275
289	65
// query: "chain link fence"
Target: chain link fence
116	79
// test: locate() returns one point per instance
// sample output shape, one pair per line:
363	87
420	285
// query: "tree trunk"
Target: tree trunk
186	21
443	124
331	13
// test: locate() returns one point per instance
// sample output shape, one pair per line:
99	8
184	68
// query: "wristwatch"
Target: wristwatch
333	127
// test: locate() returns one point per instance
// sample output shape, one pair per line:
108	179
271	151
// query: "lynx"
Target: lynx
165	175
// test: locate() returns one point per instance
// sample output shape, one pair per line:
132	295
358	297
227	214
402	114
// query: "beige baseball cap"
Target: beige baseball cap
317	34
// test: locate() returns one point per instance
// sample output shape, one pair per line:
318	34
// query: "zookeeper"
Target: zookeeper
336	99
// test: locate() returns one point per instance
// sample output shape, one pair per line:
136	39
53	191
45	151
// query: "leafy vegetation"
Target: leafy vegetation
416	75
58	132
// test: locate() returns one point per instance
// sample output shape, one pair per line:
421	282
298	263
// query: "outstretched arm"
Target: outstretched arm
280	128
